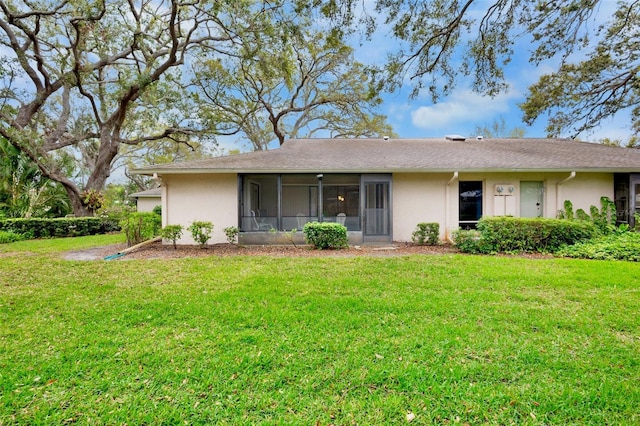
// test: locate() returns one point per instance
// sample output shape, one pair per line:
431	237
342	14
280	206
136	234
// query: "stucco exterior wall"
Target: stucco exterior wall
189	198
425	197
147	204
418	197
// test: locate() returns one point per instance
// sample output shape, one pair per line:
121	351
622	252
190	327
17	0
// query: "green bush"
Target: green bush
172	233
326	235
58	227
232	234
139	227
10	237
512	234
467	241
201	232
505	234
622	246
426	234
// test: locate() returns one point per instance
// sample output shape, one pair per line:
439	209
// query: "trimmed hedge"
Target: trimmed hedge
326	235
59	227
515	235
139	227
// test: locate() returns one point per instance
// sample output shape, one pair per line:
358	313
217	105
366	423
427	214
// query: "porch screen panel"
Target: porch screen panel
259	204
341	197
299	200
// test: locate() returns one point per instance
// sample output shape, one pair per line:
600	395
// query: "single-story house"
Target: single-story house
147	200
380	189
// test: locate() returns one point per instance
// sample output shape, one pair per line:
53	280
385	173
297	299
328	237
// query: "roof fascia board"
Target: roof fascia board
390	170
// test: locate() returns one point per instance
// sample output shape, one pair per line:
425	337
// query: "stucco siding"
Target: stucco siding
424	197
189	198
417	197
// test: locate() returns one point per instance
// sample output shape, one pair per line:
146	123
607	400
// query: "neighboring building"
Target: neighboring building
382	188
147	200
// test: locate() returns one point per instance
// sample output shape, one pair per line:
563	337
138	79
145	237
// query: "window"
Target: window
470	204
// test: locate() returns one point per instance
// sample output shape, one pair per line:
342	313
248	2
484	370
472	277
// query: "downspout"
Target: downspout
447	209
558	185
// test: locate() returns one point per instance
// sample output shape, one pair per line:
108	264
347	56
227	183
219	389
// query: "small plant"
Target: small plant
232	234
201	232
10	237
92	200
290	235
426	234
172	233
604	217
157	210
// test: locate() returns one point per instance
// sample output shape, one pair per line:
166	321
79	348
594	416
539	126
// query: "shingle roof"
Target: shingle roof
417	155
153	192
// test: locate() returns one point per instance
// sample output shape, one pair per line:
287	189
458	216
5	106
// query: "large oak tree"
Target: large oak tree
78	73
287	84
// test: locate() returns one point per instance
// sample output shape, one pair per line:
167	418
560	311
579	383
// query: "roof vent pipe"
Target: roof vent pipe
386	138
479	137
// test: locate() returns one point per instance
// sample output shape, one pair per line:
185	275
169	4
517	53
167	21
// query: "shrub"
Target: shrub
326	235
620	246
201	232
139	227
10	237
172	233
512	234
232	234
58	227
515	235
467	240
157	210
426	234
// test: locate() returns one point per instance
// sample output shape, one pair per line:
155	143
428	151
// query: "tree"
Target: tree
445	41
24	192
289	84
93	73
579	96
498	129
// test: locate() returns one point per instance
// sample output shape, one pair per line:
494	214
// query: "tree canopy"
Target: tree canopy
444	42
288	83
80	80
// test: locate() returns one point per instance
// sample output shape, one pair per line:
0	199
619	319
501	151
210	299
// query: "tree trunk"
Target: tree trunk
79	209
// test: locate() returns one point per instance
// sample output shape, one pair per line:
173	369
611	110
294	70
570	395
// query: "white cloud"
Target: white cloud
462	108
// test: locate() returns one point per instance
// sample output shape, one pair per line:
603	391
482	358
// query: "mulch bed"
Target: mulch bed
159	251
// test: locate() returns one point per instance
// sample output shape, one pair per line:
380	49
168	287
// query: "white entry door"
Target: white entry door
531	199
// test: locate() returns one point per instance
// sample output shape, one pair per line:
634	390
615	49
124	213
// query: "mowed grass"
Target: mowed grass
445	339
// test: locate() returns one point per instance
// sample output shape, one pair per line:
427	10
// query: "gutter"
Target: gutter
447	209
558	189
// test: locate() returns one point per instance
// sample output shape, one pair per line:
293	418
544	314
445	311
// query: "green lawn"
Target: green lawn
448	338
